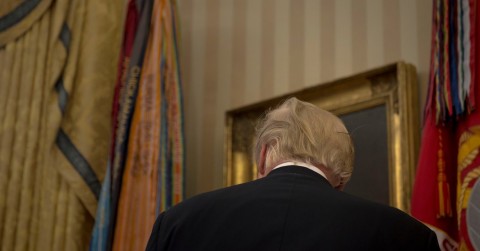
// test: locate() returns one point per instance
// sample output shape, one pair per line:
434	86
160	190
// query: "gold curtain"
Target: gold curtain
57	74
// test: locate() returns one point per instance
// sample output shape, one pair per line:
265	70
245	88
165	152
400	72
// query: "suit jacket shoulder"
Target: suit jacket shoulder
293	208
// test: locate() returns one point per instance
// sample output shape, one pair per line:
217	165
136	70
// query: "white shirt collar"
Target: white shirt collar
302	164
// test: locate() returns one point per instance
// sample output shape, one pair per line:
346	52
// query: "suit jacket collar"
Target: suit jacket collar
299	170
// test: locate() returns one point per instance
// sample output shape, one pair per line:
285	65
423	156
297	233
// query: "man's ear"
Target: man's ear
334	179
261	162
340	186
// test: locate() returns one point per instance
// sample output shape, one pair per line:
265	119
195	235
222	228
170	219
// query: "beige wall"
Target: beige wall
236	52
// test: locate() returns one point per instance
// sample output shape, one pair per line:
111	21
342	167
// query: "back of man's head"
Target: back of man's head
300	131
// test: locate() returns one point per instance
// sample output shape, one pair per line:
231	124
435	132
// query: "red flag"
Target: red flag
433	199
449	163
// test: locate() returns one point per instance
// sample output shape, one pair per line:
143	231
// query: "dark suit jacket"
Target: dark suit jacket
293	208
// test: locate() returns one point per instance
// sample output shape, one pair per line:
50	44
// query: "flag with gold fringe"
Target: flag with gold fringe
449	164
145	171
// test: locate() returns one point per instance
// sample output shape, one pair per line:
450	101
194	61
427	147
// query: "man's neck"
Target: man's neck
302	164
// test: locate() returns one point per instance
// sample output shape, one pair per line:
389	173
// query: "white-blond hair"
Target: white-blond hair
300	131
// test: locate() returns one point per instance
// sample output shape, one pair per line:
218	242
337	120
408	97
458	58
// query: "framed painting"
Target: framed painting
379	109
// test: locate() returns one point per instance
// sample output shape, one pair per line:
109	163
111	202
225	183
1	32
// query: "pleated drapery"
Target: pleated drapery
57	75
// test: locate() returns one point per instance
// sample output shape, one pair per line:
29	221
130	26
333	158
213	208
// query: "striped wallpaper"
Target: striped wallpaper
236	52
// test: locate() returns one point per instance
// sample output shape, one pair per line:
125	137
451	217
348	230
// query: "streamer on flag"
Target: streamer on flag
449	164
146	164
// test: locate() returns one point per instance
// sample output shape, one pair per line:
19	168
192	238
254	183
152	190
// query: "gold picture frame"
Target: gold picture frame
391	90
